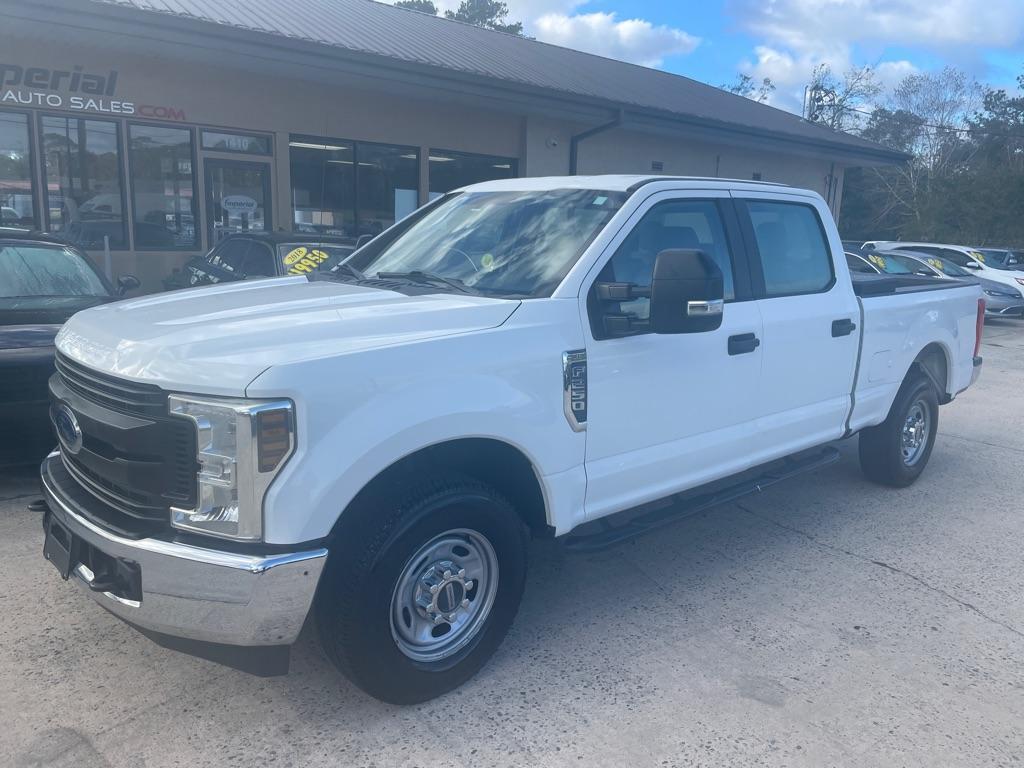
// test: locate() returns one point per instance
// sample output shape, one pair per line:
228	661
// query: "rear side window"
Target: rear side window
794	253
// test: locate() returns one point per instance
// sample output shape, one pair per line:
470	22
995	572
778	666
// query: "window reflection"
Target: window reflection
162	187
451	170
16	206
82	160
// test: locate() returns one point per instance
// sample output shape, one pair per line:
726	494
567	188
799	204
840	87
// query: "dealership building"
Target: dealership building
148	129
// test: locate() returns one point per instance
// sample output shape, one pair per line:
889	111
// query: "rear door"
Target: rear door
668	412
811	321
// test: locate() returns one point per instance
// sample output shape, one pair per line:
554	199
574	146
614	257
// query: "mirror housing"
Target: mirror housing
363	240
972	265
127	283
687	292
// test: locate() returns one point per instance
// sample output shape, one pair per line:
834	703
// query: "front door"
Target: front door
668	412
237	198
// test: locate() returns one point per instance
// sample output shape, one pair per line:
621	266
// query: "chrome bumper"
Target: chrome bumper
196	593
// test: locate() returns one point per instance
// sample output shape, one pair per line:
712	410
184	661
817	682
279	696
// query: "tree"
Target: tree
423	6
746	86
490	14
841	103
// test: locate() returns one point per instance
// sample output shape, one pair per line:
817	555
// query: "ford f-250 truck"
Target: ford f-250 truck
374	446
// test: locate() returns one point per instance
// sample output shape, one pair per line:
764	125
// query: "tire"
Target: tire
450	532
885	457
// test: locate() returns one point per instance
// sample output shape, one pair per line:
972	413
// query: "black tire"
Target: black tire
882	457
376	539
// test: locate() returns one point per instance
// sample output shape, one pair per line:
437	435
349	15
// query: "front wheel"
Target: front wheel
421	587
896	451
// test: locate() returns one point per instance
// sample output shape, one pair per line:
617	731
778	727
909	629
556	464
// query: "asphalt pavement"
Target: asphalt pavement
826	621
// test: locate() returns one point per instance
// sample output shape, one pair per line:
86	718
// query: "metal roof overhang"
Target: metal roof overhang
127	29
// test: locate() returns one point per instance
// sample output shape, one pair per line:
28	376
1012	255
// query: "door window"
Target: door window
795	257
688	224
237	197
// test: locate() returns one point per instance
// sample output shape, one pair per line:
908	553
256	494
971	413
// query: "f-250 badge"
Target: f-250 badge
574	386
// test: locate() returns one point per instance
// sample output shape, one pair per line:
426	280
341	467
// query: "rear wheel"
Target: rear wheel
421	587
897	450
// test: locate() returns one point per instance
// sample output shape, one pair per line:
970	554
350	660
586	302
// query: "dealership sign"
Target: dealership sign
73	89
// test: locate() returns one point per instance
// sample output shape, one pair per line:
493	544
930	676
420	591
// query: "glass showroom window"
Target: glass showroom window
323	186
82	159
163	188
387	185
16	202
451	170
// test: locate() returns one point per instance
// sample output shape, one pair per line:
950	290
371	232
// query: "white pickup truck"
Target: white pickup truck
375	446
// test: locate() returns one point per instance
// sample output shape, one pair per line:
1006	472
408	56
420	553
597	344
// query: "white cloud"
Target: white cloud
634	40
798	35
560	22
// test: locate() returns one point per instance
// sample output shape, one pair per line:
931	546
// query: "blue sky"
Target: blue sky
715	40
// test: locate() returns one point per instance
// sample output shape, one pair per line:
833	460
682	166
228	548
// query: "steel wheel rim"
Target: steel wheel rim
444	595
915	432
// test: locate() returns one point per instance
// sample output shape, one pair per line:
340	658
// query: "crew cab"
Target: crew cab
373	446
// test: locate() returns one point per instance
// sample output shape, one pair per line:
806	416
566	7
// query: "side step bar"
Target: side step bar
682	505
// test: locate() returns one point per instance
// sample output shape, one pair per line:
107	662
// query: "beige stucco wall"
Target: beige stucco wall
211	96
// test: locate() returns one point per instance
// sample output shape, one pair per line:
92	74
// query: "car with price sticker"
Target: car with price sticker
244	256
997	269
371	446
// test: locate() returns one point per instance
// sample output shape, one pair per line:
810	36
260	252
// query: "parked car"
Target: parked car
1003	258
858	264
375	444
1001	299
241	256
42	283
962	256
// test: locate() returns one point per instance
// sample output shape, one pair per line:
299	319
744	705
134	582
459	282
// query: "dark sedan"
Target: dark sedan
42	283
242	256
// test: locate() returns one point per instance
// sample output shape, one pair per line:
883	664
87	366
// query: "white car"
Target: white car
969	258
376	444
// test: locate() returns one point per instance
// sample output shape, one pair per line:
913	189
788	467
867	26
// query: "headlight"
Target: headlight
242	444
1019	280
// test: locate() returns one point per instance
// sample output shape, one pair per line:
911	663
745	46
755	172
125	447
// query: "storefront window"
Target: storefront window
387	181
351	188
451	170
163	187
82	159
249	143
16	202
323	187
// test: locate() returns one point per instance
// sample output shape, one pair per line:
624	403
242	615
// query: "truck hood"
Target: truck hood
217	339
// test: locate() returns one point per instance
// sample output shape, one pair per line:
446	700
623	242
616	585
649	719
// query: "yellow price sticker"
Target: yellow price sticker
878	261
302	260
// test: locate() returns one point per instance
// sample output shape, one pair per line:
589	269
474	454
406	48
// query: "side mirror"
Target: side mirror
687	292
972	265
127	283
363	240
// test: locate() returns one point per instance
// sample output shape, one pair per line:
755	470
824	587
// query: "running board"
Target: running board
679	506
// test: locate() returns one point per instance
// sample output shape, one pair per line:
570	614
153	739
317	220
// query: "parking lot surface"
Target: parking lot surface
826	621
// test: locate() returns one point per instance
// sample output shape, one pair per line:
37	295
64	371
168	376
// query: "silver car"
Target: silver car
1000	298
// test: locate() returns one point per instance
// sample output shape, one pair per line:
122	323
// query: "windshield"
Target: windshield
947	267
1001	259
892	264
501	243
46	270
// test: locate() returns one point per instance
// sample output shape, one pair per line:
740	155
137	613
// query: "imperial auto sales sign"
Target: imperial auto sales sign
75	89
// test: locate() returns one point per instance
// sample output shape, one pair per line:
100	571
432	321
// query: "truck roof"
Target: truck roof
622	183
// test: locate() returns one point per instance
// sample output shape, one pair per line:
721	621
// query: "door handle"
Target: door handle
843	327
743	343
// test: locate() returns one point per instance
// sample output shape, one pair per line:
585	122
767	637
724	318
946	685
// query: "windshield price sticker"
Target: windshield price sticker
302	260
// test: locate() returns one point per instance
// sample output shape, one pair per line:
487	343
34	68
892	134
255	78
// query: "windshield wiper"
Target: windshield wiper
429	278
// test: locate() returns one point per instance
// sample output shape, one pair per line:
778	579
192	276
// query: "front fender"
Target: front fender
359	414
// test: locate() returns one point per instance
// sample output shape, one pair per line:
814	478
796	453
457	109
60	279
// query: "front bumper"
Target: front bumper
1004	306
188	591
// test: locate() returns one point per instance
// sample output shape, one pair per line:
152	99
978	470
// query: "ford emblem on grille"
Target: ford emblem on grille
68	431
